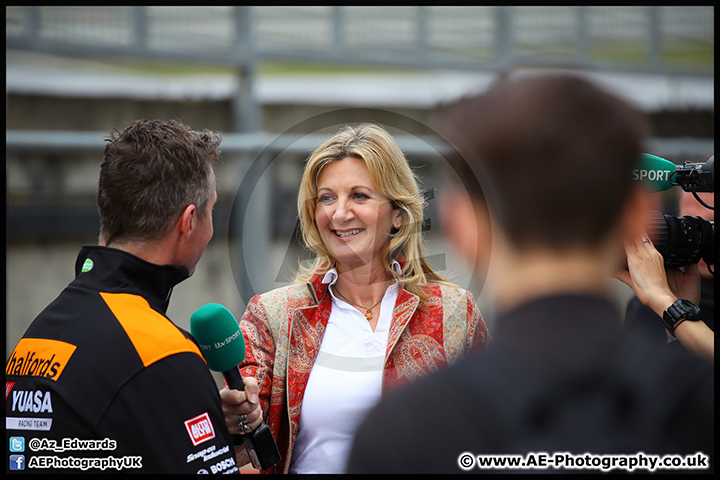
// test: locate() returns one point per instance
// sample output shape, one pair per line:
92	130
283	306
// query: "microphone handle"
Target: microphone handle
233	378
259	444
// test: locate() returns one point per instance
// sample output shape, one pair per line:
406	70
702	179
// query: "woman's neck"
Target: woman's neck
364	285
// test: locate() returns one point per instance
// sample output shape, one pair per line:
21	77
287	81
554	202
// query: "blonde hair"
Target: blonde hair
394	179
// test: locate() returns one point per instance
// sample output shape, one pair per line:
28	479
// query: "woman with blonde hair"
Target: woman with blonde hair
368	315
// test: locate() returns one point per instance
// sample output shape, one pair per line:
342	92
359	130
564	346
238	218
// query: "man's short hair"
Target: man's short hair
554	155
150	173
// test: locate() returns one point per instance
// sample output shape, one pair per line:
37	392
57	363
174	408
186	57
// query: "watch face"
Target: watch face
688	309
678	312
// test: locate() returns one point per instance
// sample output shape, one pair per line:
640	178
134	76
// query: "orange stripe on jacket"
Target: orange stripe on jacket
154	336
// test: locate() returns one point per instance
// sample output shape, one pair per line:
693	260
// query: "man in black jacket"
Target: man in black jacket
102	381
561	387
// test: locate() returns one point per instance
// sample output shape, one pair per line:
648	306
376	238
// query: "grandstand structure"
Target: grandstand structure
274	80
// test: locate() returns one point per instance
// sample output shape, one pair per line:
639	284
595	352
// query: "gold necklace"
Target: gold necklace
368	311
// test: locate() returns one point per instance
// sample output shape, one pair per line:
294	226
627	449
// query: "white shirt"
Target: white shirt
345	382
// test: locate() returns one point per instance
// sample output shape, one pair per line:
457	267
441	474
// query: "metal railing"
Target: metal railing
643	39
653	39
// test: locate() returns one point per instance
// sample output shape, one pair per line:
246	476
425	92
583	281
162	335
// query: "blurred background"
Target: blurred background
277	81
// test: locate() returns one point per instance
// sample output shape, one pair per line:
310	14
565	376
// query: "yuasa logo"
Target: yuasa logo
32	401
200	429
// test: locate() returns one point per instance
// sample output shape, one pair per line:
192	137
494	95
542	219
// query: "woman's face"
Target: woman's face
353	218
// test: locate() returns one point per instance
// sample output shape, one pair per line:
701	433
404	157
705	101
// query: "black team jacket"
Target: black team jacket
103	381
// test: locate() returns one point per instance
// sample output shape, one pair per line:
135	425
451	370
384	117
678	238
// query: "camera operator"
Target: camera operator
561	375
695	283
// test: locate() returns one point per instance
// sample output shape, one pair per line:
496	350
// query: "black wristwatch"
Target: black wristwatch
678	312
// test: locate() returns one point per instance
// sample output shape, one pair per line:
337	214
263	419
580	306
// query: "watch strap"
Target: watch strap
678	312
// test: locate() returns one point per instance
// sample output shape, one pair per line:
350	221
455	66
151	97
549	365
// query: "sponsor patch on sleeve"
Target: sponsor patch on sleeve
39	357
200	429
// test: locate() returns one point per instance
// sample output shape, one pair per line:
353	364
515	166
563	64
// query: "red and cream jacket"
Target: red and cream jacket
284	328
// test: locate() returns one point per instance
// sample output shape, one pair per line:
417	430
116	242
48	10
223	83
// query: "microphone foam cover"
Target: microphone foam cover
218	334
654	172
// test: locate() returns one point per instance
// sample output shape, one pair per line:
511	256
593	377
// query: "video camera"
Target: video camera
684	240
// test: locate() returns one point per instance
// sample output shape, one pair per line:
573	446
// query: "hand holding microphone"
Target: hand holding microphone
242	408
223	346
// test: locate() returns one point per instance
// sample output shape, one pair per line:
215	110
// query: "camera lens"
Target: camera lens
683	240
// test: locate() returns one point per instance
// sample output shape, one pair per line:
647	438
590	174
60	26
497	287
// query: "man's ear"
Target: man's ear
186	221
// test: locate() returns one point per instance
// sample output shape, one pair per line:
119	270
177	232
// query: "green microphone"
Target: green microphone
654	172
221	341
223	346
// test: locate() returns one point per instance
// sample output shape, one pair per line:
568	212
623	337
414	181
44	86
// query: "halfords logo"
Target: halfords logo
39	357
200	429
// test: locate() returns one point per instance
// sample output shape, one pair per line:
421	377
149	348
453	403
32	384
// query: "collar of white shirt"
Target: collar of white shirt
331	276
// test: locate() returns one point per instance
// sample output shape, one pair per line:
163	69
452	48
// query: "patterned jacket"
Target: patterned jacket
284	328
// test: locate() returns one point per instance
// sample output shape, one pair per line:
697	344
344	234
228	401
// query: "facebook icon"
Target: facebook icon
17	462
